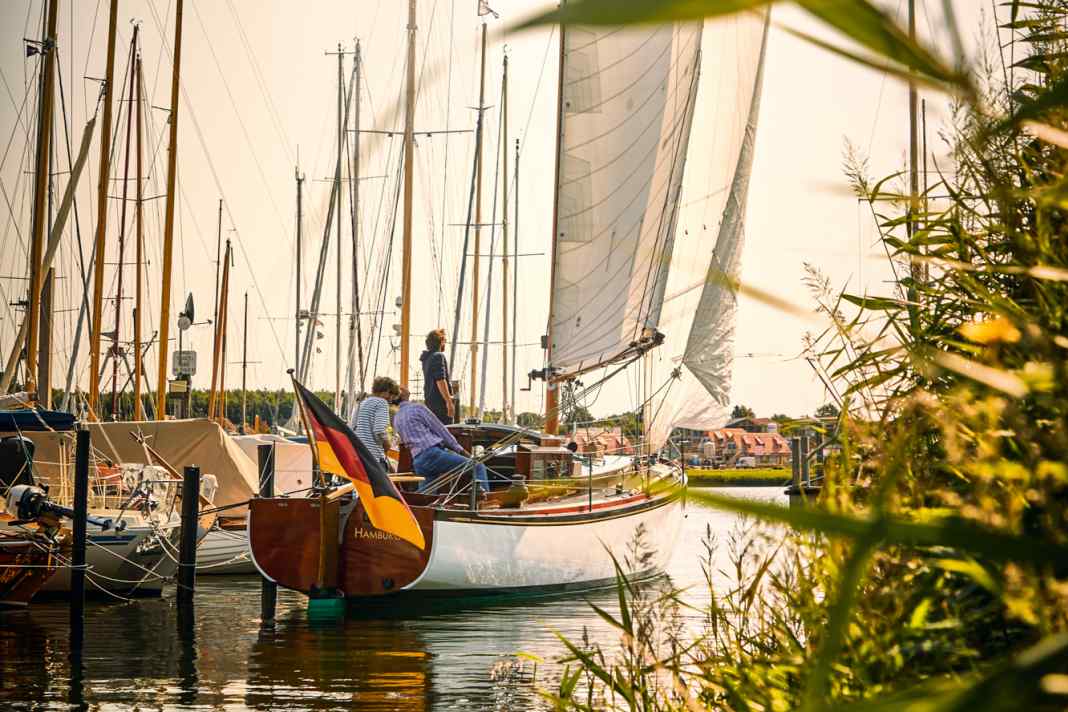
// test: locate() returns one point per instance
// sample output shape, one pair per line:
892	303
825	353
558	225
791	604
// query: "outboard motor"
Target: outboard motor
16	461
31	504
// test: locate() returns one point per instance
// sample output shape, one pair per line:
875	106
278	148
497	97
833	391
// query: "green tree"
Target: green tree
533	421
827	410
742	411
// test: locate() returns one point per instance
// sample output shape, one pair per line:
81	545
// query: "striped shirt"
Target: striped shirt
370	423
421	430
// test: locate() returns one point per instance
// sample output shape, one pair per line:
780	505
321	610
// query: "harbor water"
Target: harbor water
142	654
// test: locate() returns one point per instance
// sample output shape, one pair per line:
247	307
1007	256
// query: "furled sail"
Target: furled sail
688	378
626	103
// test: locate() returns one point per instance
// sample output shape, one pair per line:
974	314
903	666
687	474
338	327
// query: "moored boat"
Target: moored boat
546	535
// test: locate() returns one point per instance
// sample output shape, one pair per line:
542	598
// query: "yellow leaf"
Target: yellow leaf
991	331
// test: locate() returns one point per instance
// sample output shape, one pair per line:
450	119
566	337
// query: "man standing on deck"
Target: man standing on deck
436	390
371	421
434	449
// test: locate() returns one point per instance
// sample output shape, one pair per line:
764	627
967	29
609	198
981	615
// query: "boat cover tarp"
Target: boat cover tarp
197	441
292	461
12	421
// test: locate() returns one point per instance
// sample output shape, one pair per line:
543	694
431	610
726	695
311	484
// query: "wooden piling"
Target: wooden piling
187	548
795	463
81	512
268	588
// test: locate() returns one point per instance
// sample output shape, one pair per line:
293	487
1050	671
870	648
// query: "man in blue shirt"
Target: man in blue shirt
436	390
434	449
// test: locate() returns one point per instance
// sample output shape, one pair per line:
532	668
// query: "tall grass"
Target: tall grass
933	571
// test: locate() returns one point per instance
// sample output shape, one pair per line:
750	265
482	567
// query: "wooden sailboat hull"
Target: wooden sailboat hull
26	563
524	551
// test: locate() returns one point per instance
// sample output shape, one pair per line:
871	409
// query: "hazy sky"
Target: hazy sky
259	94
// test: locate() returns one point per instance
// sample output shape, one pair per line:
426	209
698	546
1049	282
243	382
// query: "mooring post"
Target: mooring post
805	473
268	588
187	548
81	512
795	463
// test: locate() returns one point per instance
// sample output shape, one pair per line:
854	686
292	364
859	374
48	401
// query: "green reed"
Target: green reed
932	572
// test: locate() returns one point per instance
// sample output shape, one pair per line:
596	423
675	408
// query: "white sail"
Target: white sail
626	104
689	375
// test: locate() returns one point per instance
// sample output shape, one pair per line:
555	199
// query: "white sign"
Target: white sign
184	363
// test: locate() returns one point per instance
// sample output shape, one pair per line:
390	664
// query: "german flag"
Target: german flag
340	451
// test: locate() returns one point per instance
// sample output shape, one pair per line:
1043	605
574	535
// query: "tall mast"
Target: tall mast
504	252
409	120
101	219
218	259
139	408
478	225
40	197
218	367
552	420
116	350
915	269
355	331
406	253
515	282
244	368
300	220
337	187
168	224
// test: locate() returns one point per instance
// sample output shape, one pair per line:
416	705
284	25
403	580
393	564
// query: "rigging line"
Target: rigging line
218	184
257	71
448	116
537	87
237	115
488	299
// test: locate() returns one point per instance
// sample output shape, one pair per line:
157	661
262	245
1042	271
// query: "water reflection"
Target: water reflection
148	654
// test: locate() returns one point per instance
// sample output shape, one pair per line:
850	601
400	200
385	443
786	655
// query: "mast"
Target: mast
44	349
504	251
915	269
337	187
355	331
552	419
218	362
300	220
116	350
218	260
101	220
168	224
40	197
478	225
406	253
244	368
515	282
139	408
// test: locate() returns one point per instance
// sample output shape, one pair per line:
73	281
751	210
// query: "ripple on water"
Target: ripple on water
454	657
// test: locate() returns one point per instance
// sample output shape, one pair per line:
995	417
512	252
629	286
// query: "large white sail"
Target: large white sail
688	377
626	104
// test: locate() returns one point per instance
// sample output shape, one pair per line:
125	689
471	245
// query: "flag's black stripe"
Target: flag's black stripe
381	485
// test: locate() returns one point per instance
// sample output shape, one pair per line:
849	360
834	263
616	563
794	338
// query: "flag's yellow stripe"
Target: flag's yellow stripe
390	515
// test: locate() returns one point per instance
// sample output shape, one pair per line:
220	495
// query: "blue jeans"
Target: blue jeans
436	461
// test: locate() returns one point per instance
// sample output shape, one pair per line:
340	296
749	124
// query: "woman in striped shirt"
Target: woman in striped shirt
371	421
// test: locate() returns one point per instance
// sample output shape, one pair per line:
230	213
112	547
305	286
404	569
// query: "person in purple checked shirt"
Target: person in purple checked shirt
434	450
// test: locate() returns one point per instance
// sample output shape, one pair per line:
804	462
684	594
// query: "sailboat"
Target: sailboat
637	282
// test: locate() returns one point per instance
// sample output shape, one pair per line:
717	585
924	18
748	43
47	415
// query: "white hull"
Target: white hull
131	562
225	552
489	558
